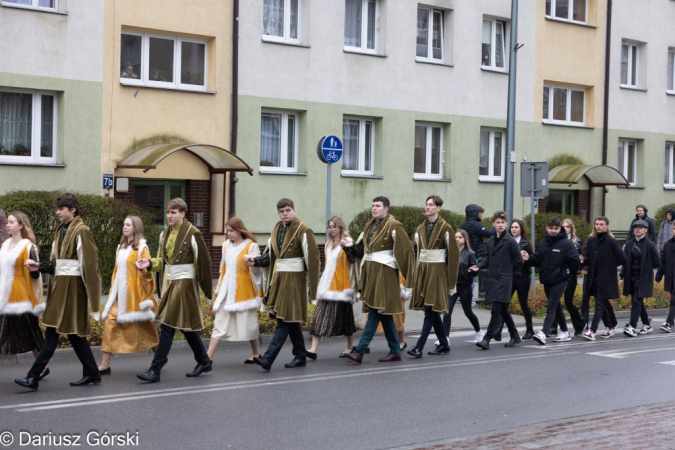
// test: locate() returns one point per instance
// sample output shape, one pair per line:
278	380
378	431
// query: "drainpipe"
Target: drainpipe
235	100
605	111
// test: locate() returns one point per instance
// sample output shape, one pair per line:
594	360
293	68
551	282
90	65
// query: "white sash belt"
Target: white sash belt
68	268
181	272
432	256
291	265
385	257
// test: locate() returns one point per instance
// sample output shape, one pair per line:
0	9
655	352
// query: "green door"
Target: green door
153	195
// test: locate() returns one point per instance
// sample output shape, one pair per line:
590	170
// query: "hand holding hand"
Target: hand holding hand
525	255
249	260
32	266
474	268
345	242
142	264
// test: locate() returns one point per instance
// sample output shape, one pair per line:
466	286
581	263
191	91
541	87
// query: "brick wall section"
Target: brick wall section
583	203
126	197
198	198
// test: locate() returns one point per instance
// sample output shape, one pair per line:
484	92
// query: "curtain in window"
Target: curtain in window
559	104
270	140
497	161
499	45
437	36
130	53
353	12
273	17
16	124
422	33
370	32
192	63
483	162
294	19
671	69
487	43
624	64
420	156
350	140
47	127
577	107
579	12
435	151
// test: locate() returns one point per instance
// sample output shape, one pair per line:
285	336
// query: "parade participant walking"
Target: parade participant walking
386	250
467	258
556	258
435	274
603	256
73	267
238	295
184	265
502	260
128	313
290	253
641	214
20	291
637	275
475	229
668	269
665	230
334	313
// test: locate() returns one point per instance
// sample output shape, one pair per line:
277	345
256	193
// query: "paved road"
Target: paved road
334	404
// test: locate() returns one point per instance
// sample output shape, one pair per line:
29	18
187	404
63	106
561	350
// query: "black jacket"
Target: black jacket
476	231
502	260
667	266
467	258
556	257
603	256
650	261
651	229
525	270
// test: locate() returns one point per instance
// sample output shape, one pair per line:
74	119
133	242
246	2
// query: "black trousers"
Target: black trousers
432	319
521	285
637	306
80	345
465	294
585	311
602	307
577	321
500	315
284	330
671	311
165	342
554	310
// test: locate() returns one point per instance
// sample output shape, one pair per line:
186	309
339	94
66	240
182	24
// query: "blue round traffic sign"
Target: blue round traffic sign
329	149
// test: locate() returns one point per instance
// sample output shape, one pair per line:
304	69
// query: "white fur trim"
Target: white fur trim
323	290
39	309
339	296
119	288
7	262
142	316
405	293
228	287
253	303
15	309
146	305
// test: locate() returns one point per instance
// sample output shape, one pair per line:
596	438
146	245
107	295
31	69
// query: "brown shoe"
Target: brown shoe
355	356
391	357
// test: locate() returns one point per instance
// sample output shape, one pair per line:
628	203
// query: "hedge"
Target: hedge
583	228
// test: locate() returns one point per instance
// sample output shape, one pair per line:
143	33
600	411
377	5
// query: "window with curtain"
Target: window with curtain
670	82
27	126
493	47
360	25
669	175
37	4
429	34
627	153
280	20
564	105
569	10
358	138
428	156
629	64
278	141
491	157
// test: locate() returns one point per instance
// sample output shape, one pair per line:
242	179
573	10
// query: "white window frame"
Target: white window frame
548	115
669	175
491	151
624	145
362	147
671	71
364	30
283	139
286	38
493	44
630	82
427	175
36	131
430	34
35	4
144	77
570	11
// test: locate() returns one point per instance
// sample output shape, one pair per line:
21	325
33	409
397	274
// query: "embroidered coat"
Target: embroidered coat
433	281
239	286
180	306
19	292
67	295
338	280
133	289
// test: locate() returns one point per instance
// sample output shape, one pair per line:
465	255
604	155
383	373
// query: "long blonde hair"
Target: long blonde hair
337	220
573	236
137	226
27	230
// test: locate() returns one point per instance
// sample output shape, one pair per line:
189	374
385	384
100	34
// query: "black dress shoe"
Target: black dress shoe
89	379
107	371
497	337
416	352
484	344
343	355
514	340
440	350
44	374
28	382
150	376
297	362
200	369
528	335
405	345
262	362
311	355
250	361
367	349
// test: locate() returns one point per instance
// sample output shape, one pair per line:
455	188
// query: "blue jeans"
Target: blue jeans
374	317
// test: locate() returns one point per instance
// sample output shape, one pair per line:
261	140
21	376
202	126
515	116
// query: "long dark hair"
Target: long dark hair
238	225
523	232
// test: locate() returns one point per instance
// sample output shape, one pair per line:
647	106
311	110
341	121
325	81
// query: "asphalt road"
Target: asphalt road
335	404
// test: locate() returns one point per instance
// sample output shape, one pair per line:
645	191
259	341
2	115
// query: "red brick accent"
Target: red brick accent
198	198
541	205
126	197
582	206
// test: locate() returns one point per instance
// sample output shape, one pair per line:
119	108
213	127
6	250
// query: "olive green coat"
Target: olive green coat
180	306
380	288
286	296
67	296
432	282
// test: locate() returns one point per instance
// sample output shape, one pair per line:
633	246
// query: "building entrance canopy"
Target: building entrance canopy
597	175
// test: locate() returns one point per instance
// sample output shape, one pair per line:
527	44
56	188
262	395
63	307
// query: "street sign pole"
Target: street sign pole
535	186
329	150
329	173
534	241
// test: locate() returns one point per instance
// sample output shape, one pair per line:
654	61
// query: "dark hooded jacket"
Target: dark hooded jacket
476	231
602	256
665	230
649	260
667	266
651	229
556	257
503	261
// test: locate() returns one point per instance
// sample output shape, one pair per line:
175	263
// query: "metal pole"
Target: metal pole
328	187
511	114
532	233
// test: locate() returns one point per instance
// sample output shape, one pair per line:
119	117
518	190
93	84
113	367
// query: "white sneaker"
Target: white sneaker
645	329
563	336
668	328
437	342
608	333
479	336
590	335
540	337
629	331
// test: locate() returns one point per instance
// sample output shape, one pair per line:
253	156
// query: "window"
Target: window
564	105
429	34
163	61
669	175
33	4
628	160
670	83
629	64
361	25
358	137
570	10
493	44
278	141
491	165
281	20
428	151
27	127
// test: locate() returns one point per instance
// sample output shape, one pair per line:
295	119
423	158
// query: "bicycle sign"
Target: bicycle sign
329	149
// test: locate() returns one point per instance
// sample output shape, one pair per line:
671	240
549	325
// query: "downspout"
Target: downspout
235	100
605	111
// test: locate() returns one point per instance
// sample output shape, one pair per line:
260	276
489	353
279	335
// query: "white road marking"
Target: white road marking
669	363
621	355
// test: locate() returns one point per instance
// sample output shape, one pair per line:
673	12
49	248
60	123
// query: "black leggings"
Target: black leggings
521	285
465	293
